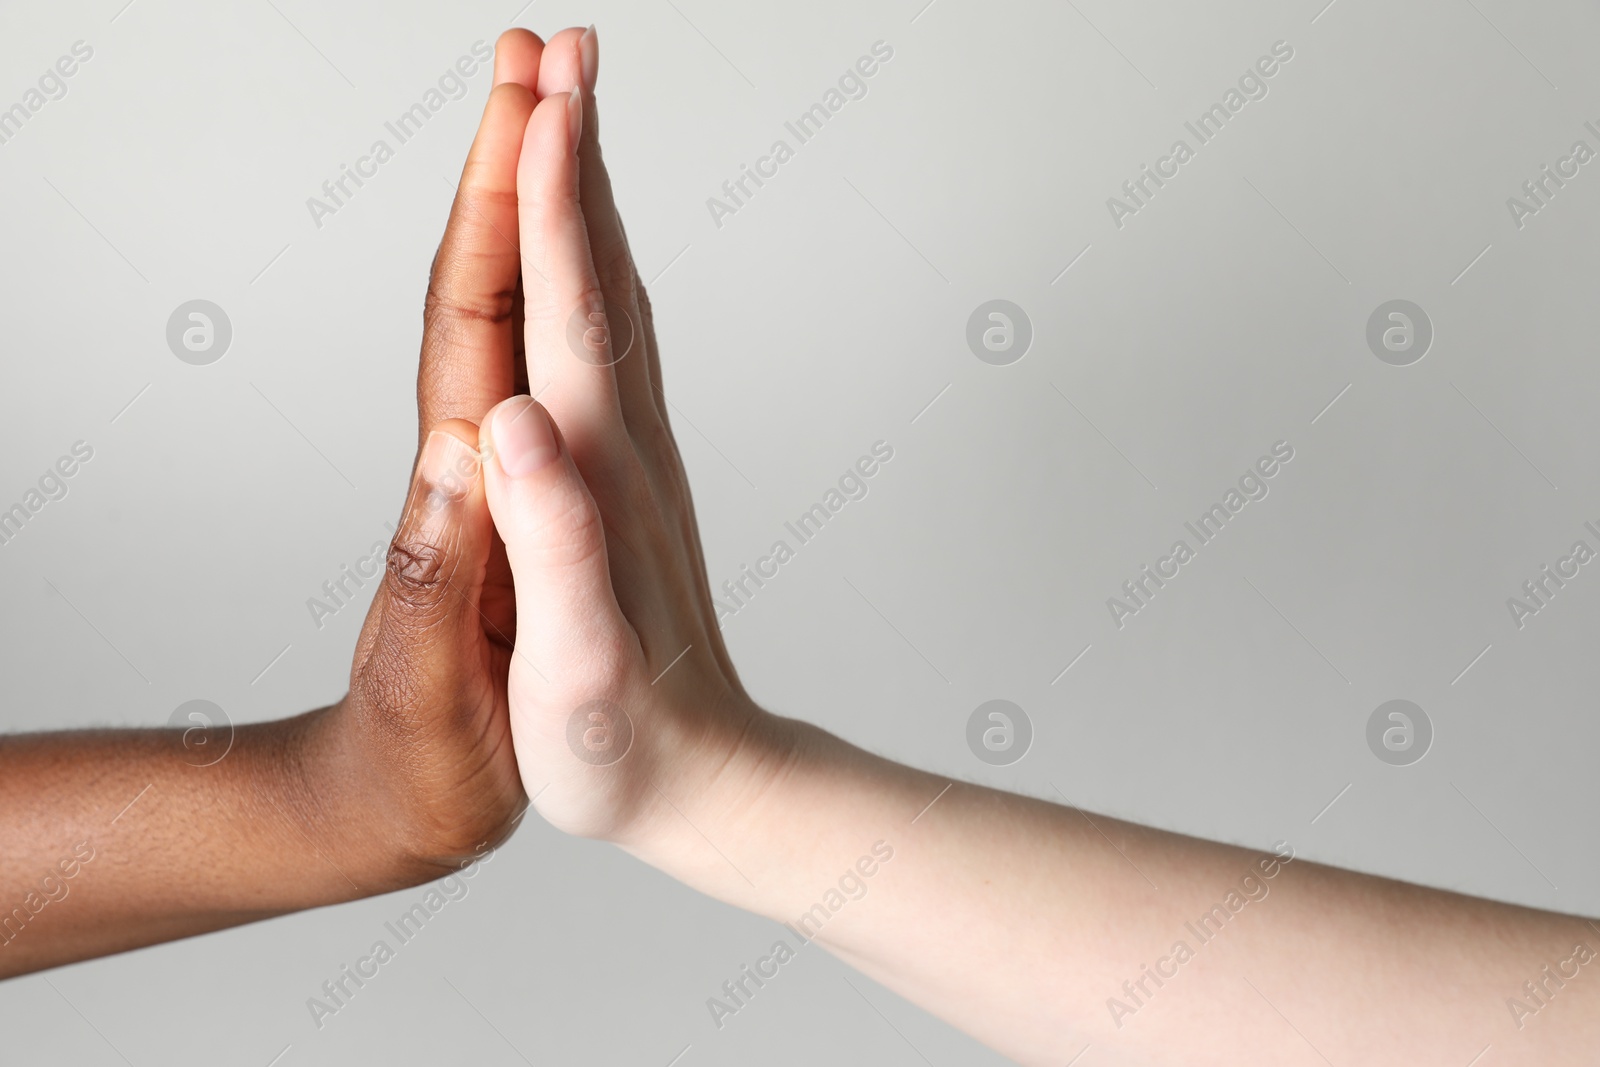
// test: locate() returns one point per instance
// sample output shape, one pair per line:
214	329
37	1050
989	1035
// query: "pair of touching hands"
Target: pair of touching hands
545	628
544	633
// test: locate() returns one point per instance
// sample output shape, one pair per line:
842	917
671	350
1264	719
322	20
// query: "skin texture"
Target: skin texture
1048	933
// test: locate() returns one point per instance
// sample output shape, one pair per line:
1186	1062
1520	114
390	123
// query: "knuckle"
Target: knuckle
589	295
574	533
614	266
652	440
451	303
478	193
642	294
416	572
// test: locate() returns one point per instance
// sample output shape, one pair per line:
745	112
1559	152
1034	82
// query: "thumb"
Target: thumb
555	539
429	632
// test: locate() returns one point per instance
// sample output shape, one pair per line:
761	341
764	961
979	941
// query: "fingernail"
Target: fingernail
575	115
448	465
524	440
589	57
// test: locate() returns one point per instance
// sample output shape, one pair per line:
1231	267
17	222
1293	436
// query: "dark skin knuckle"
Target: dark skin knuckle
447	307
416	572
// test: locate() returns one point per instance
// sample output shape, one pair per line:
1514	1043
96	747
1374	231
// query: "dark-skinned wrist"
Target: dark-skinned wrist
364	787
347	808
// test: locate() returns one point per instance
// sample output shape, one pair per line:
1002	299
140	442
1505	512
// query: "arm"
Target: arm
1035	927
1041	929
115	839
110	840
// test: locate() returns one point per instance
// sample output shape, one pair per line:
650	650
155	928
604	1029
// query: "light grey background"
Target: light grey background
827	314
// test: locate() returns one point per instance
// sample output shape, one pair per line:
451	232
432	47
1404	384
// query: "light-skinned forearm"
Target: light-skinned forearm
1040	929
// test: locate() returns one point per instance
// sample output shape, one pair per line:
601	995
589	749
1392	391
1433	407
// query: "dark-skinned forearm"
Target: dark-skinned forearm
115	839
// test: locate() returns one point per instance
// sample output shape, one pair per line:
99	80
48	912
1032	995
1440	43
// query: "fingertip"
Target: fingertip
517	54
589	57
561	64
449	463
463	430
548	141
521	437
574	117
509	94
505	119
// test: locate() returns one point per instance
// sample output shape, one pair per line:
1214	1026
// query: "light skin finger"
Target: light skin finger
575	55
613	258
563	294
563	67
554	537
572	59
